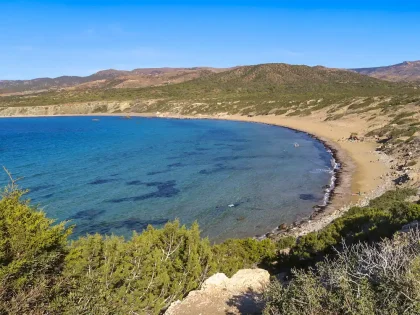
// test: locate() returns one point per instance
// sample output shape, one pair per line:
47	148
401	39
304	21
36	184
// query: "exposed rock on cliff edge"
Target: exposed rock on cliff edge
219	294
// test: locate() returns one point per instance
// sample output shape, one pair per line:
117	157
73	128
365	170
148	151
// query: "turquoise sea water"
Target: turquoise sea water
116	175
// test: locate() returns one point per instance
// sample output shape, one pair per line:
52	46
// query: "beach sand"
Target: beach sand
363	174
366	168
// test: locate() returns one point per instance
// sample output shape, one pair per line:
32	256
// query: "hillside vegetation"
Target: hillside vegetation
358	264
42	272
364	279
261	89
276	82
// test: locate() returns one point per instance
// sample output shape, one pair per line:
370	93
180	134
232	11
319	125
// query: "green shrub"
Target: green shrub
363	279
109	275
362	104
42	273
234	254
382	218
32	253
285	242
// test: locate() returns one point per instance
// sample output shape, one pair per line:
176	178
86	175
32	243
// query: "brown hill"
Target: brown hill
108	79
406	71
259	88
274	79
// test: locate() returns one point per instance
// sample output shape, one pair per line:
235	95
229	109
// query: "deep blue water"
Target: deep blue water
117	175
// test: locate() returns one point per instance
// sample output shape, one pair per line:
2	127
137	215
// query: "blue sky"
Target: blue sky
53	38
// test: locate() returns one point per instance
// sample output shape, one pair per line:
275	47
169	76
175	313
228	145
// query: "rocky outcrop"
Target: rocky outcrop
219	294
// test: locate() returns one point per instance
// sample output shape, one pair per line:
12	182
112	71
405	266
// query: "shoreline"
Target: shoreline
349	190
339	195
345	181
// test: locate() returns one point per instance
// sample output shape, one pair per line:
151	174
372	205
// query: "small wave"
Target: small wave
321	170
336	166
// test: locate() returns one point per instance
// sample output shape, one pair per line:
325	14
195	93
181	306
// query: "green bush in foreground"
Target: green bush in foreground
42	273
32	253
365	271
381	218
113	276
363	279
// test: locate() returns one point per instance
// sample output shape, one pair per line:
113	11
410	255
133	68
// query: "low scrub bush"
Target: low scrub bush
32	254
381	218
41	272
363	279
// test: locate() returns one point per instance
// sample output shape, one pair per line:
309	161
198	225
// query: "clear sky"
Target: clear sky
53	38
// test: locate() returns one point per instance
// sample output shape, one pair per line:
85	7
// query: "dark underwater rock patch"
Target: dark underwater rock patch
217	169
161	184
220	167
176	165
86	214
132	224
40	187
185	154
240	140
157	172
169	166
237	149
102	181
135	182
234	158
164	190
189	153
308	197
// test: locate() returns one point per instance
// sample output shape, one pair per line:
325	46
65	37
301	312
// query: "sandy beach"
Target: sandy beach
360	160
362	174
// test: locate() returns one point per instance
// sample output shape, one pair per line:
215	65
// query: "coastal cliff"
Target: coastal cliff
241	294
66	109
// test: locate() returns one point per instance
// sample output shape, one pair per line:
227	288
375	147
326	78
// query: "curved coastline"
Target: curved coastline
347	190
339	197
342	170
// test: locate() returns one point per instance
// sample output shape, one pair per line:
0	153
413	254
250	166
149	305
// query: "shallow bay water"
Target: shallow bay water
116	175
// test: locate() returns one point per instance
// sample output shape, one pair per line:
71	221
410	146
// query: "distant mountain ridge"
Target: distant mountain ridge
405	71
273	78
258	86
140	77
147	77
